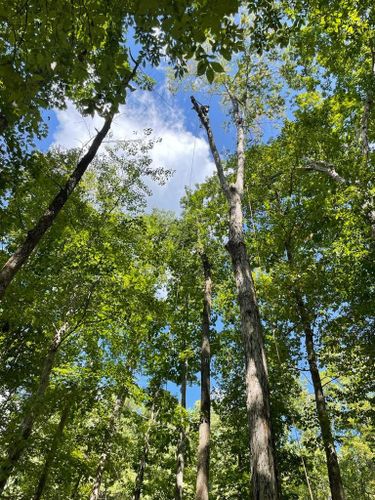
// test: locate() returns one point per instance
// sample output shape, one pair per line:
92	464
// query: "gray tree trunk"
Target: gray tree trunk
23	252
334	474
146	447
263	463
203	472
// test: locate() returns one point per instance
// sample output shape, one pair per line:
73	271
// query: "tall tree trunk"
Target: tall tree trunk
23	252
202	486
181	446
20	442
52	452
107	446
146	447
334	474
263	463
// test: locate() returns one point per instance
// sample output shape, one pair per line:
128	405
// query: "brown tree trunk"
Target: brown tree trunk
146	447
107	447
23	252
19	444
181	446
51	453
263	463
334	474
203	473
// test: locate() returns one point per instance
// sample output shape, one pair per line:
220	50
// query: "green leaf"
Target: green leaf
217	67
210	74
201	69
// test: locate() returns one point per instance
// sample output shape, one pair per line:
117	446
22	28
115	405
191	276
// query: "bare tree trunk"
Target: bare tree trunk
263	464
181	446
298	441
307	478
146	447
19	444
52	451
203	473
107	446
334	474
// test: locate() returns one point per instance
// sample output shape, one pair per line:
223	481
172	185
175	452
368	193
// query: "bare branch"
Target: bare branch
240	144
203	117
327	168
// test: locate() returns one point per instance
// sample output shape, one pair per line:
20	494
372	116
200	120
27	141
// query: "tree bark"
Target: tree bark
263	464
19	444
107	446
203	473
334	474
181	446
52	451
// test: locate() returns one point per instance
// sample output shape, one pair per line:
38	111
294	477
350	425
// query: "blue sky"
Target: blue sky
183	147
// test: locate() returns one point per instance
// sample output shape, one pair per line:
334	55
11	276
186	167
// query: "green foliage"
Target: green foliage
125	286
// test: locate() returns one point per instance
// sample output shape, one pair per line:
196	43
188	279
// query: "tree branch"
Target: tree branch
240	144
327	168
203	117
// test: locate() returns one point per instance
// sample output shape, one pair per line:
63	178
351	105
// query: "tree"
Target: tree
264	476
202	488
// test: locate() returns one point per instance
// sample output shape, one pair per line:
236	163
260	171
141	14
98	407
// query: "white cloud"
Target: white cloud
179	150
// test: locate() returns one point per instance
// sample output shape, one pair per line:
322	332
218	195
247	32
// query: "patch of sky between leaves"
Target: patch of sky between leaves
179	150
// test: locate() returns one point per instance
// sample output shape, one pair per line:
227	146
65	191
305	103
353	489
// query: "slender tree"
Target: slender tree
23	252
107	445
139	480
20	441
334	473
181	445
202	486
263	462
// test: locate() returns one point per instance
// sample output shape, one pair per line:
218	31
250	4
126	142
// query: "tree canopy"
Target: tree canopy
221	351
